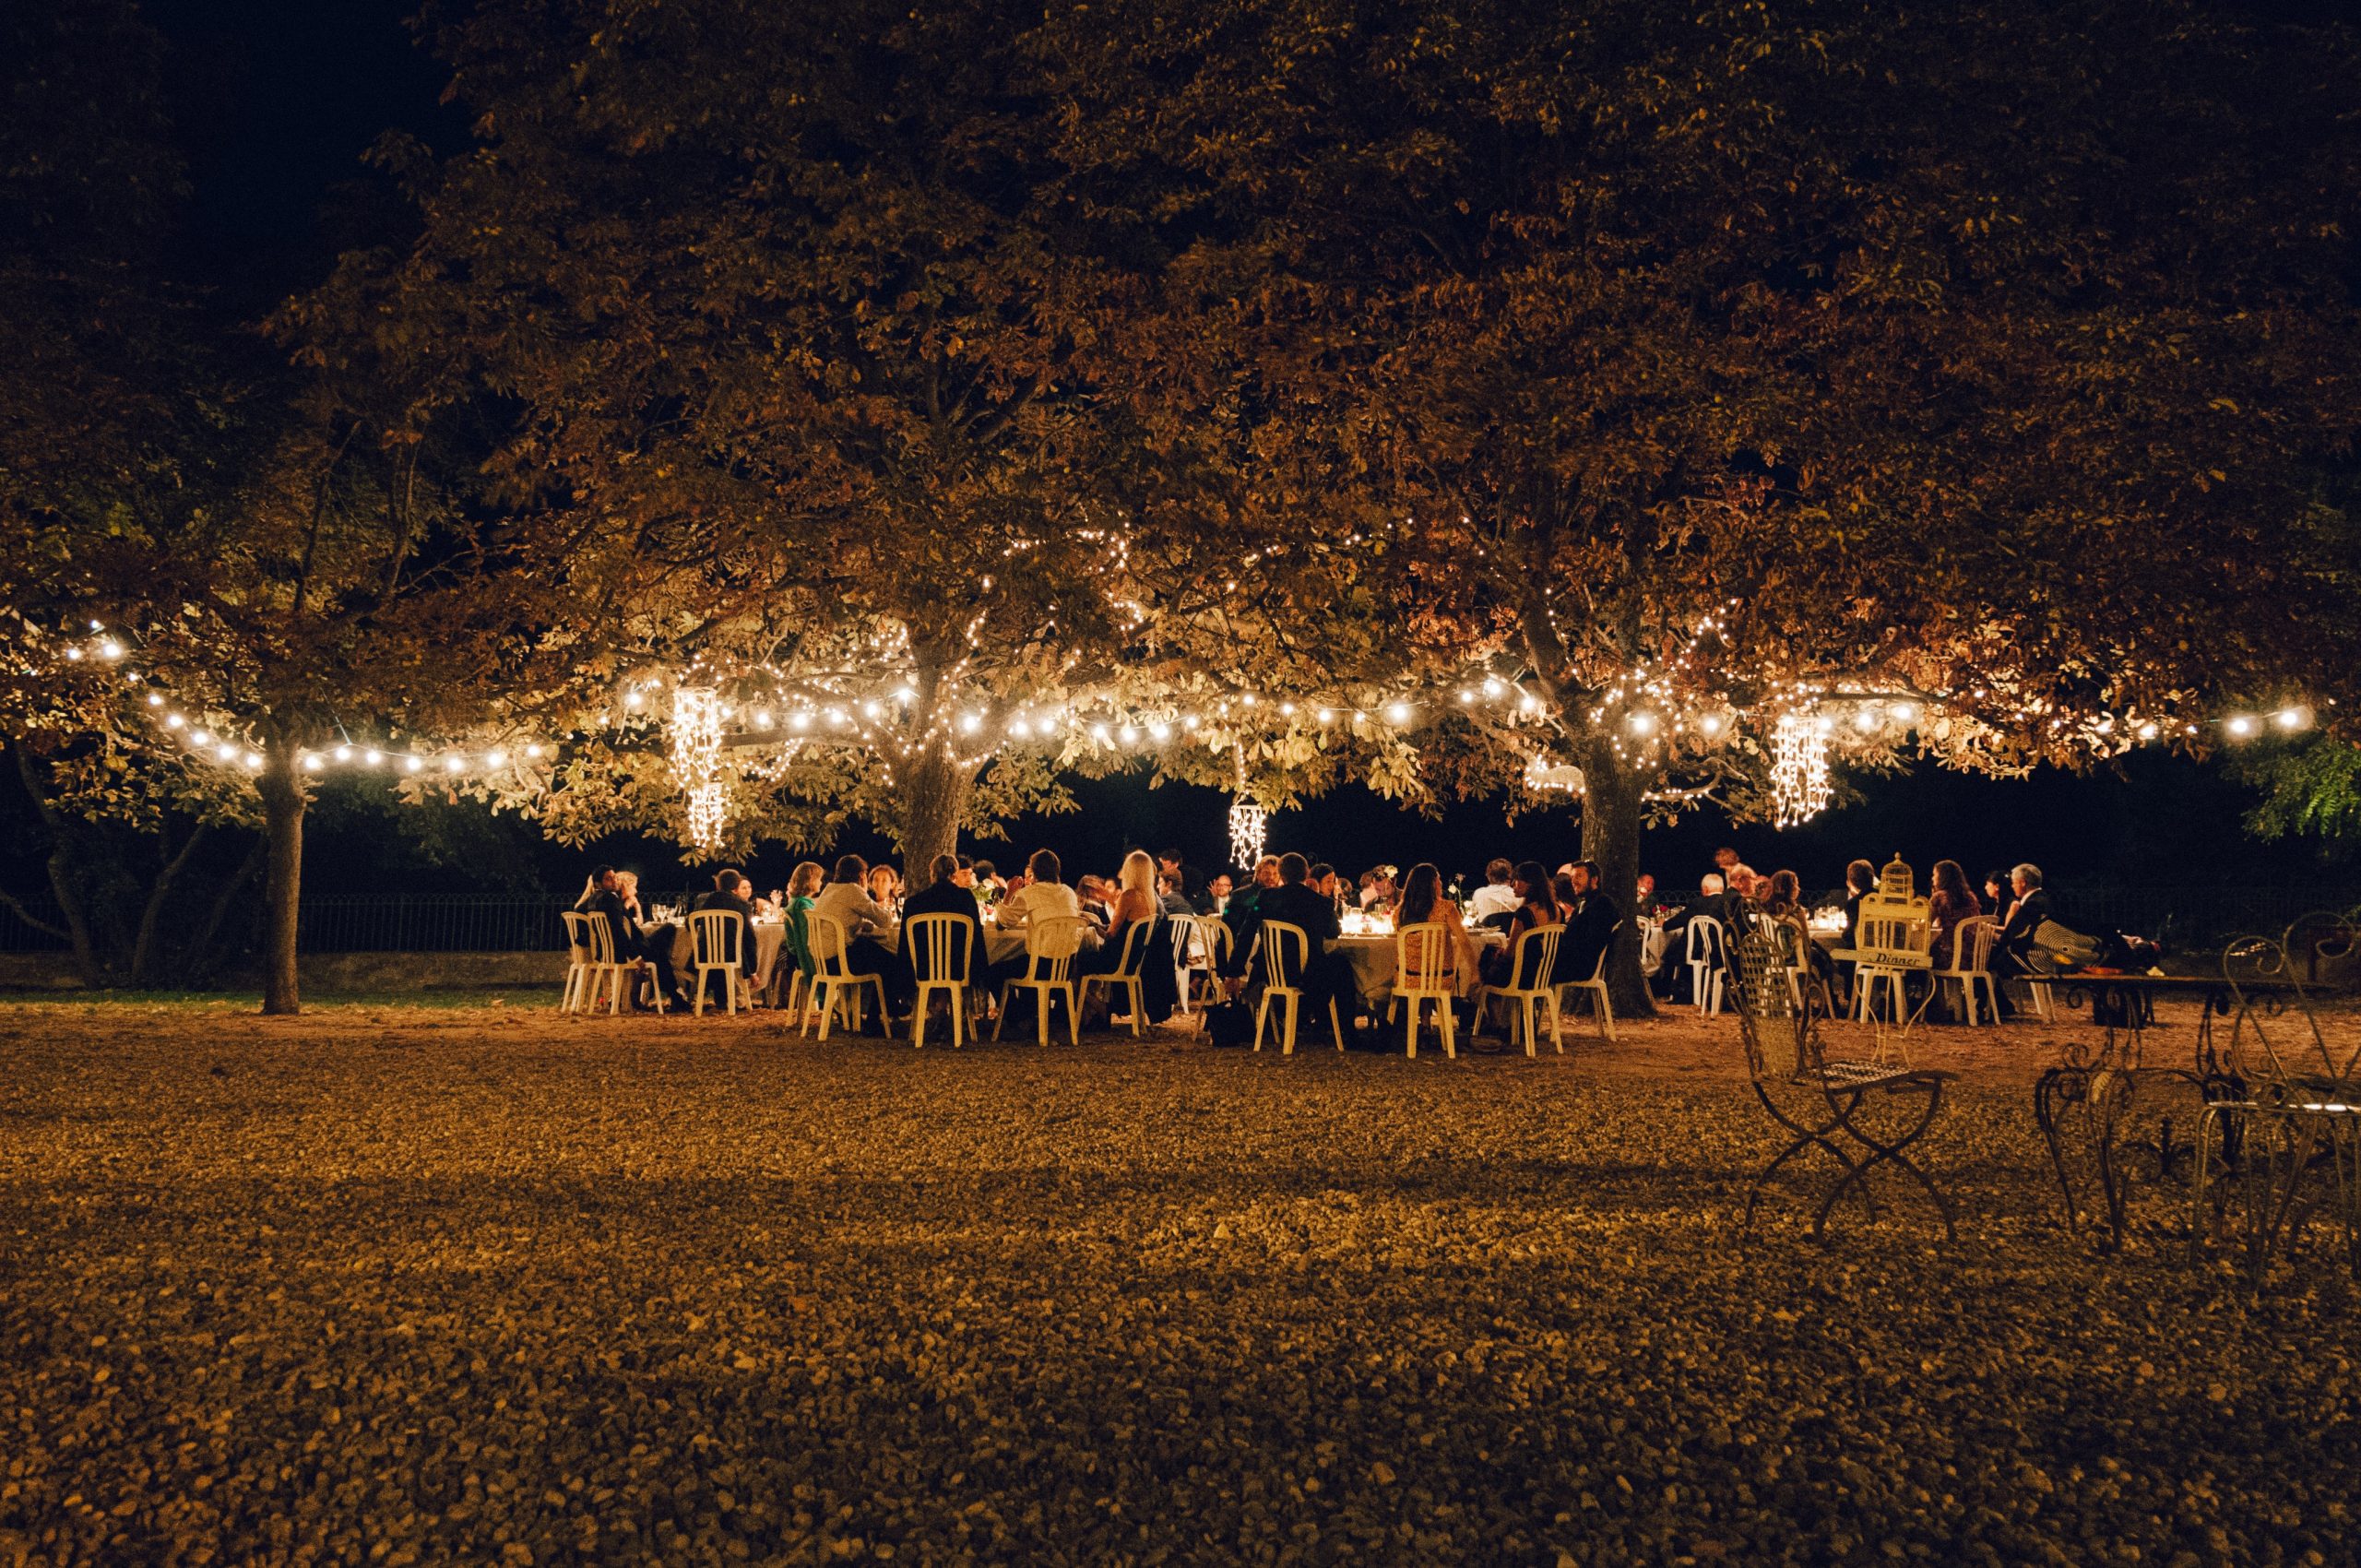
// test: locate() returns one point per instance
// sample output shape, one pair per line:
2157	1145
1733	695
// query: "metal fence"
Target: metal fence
428	925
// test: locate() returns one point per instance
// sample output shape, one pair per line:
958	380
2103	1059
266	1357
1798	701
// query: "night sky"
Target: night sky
276	100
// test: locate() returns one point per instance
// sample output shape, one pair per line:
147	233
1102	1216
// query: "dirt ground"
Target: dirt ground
480	1284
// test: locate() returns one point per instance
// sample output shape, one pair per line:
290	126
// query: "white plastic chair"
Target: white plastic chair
580	966
717	943
1708	944
1536	955
1277	936
1208	943
1126	975
1971	963
940	957
1049	947
833	981
1595	986
1430	975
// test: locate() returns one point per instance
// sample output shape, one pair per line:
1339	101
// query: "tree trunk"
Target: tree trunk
934	799
1611	817
281	788
151	918
65	879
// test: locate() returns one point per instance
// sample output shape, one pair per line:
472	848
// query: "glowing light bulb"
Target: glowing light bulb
2240	726
1528	703
74	656
1823	725
495	759
534	750
761	719
1466	696
1190	722
1325	716
1099	733
155	699
173	721
1159	730
312	763
800	722
373	756
1287	710
413	764
1866	720
1903	713
344	753
2290	717
1397	712
1250	699
453	764
1127	734
1492	687
253	760
970	722
1711	724
2147	731
110	649
633	700
1021	730
1644	724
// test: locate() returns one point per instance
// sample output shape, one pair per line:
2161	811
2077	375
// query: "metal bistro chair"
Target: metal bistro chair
1821	1100
1707	954
1971	965
1126	975
1278	937
1595	986
2290	1147
942	957
834	985
1425	970
1049	947
718	942
1530	989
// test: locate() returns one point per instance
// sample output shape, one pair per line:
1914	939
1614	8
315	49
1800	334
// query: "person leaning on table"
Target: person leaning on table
847	902
604	899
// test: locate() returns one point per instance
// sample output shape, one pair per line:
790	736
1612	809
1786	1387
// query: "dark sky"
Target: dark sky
276	102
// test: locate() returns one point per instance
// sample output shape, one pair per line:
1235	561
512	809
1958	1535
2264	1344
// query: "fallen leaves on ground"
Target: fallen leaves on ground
378	1286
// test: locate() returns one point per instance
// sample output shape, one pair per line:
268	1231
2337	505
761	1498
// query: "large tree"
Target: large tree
1711	363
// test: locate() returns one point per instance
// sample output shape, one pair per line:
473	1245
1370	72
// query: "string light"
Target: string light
1799	769
696	759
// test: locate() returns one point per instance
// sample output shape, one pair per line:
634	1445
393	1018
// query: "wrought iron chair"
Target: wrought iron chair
1823	1102
2288	1150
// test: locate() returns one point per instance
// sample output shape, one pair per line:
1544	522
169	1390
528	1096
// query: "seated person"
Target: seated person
886	889
1133	902
729	891
1170	898
1041	896
1496	898
1713	900
1423	902
866	927
603	897
943	895
1536	896
1240	916
1590	915
1325	976
2012	946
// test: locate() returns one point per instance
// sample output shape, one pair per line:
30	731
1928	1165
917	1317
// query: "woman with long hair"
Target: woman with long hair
1423	903
1134	902
1950	902
1536	905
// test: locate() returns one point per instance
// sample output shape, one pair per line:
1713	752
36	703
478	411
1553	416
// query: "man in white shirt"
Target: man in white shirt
1495	897
1042	898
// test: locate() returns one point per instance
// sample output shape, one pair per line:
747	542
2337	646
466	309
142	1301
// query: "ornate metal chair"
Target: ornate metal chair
2288	1150
1827	1103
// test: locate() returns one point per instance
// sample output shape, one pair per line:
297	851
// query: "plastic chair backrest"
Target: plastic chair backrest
1599	965
1050	946
939	946
718	938
1422	956
1528	968
827	938
1213	932
602	938
1135	953
1707	941
577	939
1277	935
1972	944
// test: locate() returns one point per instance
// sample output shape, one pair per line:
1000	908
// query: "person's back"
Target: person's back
846	900
945	897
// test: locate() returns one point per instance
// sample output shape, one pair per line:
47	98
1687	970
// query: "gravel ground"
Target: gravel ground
485	1286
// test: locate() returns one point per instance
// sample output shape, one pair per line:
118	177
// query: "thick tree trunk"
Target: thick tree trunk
933	798
282	805
1611	818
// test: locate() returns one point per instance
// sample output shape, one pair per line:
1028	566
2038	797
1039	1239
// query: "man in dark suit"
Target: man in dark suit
2012	945
945	895
1325	976
604	897
1590	925
729	893
1186	879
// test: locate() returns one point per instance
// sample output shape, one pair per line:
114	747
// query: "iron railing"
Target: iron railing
428	925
